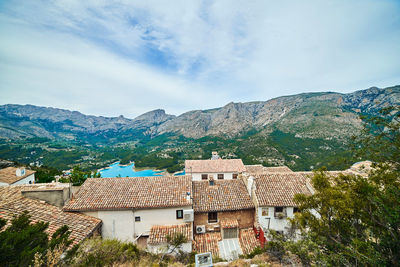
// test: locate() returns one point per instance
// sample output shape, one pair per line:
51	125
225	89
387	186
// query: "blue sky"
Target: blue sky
128	57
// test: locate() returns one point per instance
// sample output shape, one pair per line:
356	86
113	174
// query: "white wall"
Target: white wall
197	176
117	224
26	180
161	248
150	217
121	224
274	223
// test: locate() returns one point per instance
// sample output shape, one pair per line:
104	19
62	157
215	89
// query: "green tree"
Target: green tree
352	220
22	240
79	176
174	243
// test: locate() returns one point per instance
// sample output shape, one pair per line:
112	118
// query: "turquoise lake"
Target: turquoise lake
116	170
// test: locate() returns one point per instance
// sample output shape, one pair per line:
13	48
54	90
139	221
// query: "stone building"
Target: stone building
223	217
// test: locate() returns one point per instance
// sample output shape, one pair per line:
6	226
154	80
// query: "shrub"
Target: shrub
98	252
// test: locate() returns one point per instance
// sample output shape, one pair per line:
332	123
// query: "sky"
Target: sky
114	58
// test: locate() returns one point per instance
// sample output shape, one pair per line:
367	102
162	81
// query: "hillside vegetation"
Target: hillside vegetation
303	131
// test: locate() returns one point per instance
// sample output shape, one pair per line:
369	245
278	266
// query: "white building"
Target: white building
130	207
15	176
273	195
217	169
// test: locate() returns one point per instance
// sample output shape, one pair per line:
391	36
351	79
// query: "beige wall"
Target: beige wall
244	217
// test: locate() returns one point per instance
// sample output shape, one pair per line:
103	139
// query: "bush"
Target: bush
98	252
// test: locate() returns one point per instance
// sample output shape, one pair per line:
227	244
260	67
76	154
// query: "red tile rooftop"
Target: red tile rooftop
8	175
158	233
12	203
132	193
225	195
278	189
214	166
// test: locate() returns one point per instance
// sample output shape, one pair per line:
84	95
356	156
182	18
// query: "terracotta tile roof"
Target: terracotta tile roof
8	175
207	243
255	168
223	196
229	223
132	193
12	203
218	165
259	169
278	169
158	233
278	189
248	240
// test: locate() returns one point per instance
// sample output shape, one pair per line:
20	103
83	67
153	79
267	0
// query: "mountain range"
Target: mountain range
309	117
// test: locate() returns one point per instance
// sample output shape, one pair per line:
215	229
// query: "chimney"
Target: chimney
214	155
20	172
211	181
250	184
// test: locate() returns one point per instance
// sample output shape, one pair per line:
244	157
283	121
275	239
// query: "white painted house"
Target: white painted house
217	169
273	195
15	176
131	207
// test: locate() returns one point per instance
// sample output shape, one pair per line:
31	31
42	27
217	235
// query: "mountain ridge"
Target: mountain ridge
230	120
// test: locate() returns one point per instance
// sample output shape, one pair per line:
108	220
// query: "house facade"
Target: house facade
130	207
273	195
222	211
16	176
217	169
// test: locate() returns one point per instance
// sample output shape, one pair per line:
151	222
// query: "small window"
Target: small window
264	211
221	176
278	209
212	217
234	176
296	209
179	214
137	218
204	177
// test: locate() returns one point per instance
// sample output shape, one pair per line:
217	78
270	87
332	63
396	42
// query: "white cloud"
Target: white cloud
129	57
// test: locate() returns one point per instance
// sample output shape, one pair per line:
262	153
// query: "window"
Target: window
212	217
221	176
204	177
278	209
234	176
280	212
179	214
296	209
264	211
230	233
137	218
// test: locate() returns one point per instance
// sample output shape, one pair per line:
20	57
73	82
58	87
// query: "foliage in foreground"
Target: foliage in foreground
112	252
353	220
21	241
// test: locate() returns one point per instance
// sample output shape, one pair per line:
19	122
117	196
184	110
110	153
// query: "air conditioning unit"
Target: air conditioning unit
188	215
200	229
